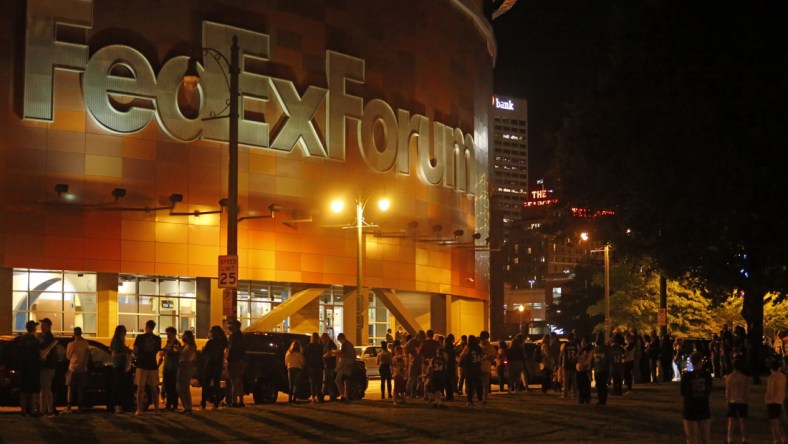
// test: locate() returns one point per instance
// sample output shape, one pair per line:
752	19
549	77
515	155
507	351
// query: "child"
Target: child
398	370
436	374
737	392
695	389
775	394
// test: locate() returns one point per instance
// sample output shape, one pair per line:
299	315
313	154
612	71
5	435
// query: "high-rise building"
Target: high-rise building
510	156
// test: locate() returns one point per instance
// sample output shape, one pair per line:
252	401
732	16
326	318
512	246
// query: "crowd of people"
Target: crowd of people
424	366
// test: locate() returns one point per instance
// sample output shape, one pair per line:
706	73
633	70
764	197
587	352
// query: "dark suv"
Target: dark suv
99	381
266	374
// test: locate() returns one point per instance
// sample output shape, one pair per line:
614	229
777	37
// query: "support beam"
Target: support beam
286	309
395	306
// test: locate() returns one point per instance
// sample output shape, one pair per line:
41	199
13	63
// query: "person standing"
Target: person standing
213	364
486	364
186	370
28	351
451	367
652	351
715	349
501	364
471	359
775	396
585	361
120	367
389	337
400	334
436	373
547	364
628	361
617	353
170	355
568	364
384	364
294	361
414	362
460	347
329	368
313	361
345	362
427	350
236	363
48	358
737	395
603	365
515	355
695	389
78	355
146	347
399	371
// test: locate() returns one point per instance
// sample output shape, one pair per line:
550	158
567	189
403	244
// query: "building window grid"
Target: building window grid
168	301
67	298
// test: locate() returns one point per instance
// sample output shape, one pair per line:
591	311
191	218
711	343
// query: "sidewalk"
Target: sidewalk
651	414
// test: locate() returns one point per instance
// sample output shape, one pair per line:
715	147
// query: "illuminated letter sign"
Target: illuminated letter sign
122	93
507	105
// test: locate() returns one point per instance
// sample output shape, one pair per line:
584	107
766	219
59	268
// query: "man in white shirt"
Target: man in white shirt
78	355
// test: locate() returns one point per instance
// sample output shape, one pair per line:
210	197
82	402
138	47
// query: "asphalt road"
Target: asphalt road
651	414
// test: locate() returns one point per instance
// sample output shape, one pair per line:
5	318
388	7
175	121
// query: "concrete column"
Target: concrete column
438	313
204	312
107	301
6	300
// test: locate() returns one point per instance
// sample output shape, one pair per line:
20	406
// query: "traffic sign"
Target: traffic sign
227	303
662	317
228	271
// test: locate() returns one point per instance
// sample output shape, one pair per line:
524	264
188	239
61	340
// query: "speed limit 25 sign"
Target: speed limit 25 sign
228	271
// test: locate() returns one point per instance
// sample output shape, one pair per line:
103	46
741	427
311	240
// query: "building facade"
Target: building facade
115	172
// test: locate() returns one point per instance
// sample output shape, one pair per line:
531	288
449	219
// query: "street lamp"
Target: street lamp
521	309
606	249
337	206
190	79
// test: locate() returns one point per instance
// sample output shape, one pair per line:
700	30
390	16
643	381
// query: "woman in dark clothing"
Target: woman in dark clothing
501	362
451	367
384	366
516	357
471	362
313	355
120	357
29	367
213	362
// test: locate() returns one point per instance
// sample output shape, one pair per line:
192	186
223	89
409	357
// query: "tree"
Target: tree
582	291
685	141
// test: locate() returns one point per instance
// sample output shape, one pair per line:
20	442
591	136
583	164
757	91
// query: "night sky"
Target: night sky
549	52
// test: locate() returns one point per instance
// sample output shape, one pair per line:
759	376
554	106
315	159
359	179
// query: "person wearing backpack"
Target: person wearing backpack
568	359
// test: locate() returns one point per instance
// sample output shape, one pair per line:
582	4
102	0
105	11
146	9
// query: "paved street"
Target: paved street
651	414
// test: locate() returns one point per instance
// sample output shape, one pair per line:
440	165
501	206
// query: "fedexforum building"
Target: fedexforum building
113	206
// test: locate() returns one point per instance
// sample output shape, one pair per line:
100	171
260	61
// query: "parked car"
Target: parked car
369	354
98	390
265	374
531	371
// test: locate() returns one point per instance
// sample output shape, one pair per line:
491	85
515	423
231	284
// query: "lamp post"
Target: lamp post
606	250
191	78
337	206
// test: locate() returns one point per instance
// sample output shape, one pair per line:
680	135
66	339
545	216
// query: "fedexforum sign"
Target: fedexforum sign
122	93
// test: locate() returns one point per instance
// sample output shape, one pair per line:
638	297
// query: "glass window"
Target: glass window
168	301
67	298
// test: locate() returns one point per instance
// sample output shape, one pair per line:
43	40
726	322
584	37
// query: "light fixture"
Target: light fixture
191	77
61	188
337	205
412	225
477	236
458	233
224	202
437	228
384	204
118	193
175	198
